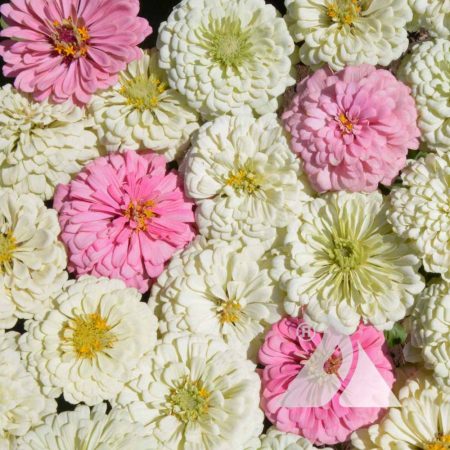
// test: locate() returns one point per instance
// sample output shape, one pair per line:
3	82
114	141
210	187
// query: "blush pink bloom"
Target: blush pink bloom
352	128
68	49
285	353
123	217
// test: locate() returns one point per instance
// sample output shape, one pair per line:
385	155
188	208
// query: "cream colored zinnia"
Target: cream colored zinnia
142	112
32	260
278	440
432	15
41	144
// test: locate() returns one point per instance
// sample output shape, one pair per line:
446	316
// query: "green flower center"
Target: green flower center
347	254
245	180
189	401
7	248
229	311
441	443
143	92
344	12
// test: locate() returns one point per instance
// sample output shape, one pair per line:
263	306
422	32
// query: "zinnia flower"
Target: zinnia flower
236	56
353	128
345	263
90	344
284	355
343	32
67	49
433	15
420	210
196	393
32	260
278	440
123	217
142	111
244	179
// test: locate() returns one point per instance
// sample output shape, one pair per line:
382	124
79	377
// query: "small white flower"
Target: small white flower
142	112
420	210
422	421
227	56
278	440
41	144
427	72
433	15
244	178
224	290
91	343
349	32
343	260
22	404
196	394
88	429
32	260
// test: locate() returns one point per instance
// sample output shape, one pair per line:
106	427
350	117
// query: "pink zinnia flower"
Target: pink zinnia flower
352	128
123	217
286	351
68	49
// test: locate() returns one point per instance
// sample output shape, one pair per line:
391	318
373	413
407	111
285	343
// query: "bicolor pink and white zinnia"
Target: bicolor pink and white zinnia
69	49
123	217
352	128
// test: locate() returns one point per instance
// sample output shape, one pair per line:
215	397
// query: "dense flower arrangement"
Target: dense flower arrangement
237	240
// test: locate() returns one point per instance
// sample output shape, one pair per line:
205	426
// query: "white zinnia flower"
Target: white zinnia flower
244	178
197	395
91	343
224	290
41	144
422	421
32	260
278	440
427	71
88	429
227	56
349	32
142	112
433	15
22	404
420	210
343	260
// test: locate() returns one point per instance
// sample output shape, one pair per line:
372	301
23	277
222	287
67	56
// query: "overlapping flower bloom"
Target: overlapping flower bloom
236	57
344	32
278	440
420	210
142	111
353	128
344	262
123	217
32	260
68	49
432	15
427	71
244	179
41	144
90	344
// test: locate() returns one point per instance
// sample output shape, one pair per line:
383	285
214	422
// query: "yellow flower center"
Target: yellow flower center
143	92
344	12
244	179
70	40
140	213
229	311
441	443
7	248
348	255
345	123
333	364
88	335
189	401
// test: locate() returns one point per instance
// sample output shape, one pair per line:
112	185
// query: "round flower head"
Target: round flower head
352	129
86	428
90	344
325	418
420	422
32	260
67	49
198	394
22	404
123	217
41	144
433	15
343	32
141	111
278	440
420	210
236	56
223	290
343	260
427	71
244	178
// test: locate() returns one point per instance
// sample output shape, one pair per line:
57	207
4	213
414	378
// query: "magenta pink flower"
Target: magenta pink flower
123	217
353	128
68	49
287	352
